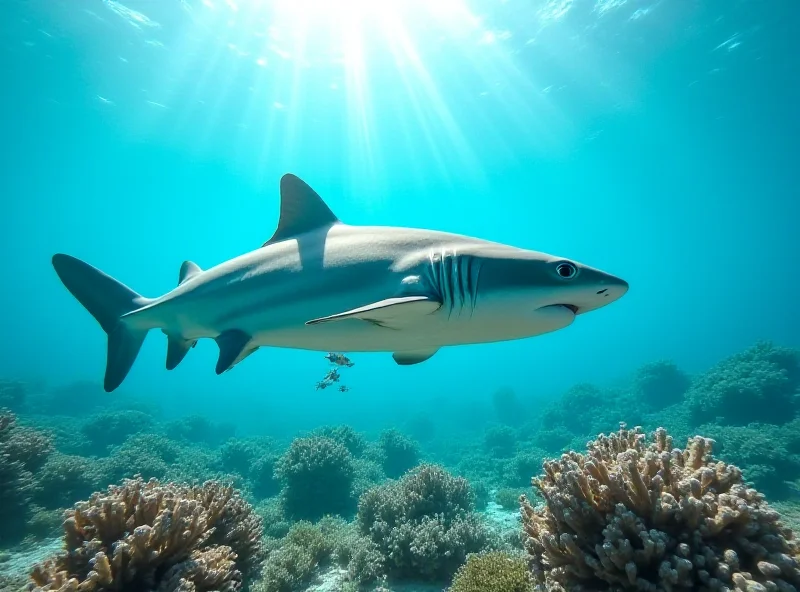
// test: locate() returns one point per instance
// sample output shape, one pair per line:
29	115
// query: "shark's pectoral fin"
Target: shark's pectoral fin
233	347
392	313
407	358
177	348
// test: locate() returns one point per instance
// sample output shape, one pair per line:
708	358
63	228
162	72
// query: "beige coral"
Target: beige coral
152	536
633	516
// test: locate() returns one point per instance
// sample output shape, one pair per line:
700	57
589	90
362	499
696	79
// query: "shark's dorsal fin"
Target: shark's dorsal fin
189	269
302	210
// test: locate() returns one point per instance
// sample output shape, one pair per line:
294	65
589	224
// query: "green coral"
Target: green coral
423	524
16	484
660	384
399	452
494	571
757	385
317	473
508	408
346	435
500	441
292	561
507	498
112	428
64	479
238	454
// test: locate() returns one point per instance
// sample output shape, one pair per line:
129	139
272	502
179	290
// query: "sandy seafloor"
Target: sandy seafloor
18	563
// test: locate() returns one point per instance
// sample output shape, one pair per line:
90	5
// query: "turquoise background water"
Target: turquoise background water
655	140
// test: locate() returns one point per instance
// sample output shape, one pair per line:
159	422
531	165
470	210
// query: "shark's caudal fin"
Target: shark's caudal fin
107	300
302	210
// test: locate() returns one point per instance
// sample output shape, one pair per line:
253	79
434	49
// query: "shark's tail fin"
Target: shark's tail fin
107	300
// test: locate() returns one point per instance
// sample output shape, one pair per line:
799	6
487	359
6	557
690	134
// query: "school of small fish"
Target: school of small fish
332	377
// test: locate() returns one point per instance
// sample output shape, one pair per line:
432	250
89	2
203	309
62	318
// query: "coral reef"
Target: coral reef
12	394
500	441
64	479
345	435
238	454
660	384
760	385
16	483
311	465
769	455
423	525
399	453
507	498
421	428
199	430
111	428
508	409
495	571
633	516
293	560
147	535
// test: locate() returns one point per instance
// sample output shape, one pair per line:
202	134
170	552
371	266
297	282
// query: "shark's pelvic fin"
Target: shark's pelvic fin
407	358
107	300
177	348
233	347
189	269
302	210
392	313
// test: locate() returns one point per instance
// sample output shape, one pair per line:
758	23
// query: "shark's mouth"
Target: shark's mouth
571	307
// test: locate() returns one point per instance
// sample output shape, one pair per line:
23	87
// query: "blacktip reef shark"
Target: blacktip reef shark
320	284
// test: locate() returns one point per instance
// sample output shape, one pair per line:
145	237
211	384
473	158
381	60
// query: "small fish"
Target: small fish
339	359
343	388
322	385
332	376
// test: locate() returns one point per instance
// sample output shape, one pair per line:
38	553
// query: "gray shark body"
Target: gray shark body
319	284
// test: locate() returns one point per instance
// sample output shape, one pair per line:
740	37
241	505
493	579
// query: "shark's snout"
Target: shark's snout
606	290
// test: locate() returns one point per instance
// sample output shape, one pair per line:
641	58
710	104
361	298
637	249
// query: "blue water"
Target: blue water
655	140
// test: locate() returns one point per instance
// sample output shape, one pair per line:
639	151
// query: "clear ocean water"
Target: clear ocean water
657	140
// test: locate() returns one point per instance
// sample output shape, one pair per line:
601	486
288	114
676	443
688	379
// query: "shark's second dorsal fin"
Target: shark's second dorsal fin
302	210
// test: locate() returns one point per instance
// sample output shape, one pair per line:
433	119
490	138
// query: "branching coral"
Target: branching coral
148	536
633	516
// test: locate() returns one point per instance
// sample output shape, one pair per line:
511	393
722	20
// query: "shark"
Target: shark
320	284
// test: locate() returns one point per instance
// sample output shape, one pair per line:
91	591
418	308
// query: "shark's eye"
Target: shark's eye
566	270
